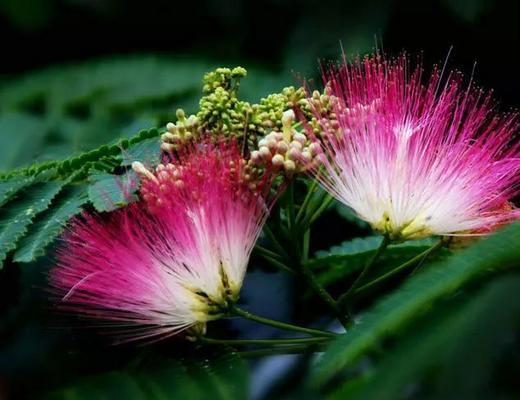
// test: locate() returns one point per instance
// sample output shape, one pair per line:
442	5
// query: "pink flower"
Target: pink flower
415	159
173	261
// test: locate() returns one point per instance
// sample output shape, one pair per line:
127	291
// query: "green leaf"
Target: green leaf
350	256
348	214
148	152
9	188
460	344
222	378
108	192
351	247
16	216
499	251
50	223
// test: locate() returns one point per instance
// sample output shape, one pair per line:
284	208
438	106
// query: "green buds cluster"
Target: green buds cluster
320	112
287	149
274	137
220	110
183	131
269	112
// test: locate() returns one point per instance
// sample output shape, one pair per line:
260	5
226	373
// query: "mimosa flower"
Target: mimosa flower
415	159
174	260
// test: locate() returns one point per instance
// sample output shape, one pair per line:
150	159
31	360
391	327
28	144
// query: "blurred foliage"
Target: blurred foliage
450	330
64	110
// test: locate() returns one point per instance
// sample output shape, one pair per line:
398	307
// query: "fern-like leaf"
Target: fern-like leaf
16	216
50	223
419	293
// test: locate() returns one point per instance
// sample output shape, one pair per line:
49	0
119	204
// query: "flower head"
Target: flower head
415	159
176	259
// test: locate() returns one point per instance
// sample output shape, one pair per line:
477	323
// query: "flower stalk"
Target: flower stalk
418	258
270	342
234	310
345	298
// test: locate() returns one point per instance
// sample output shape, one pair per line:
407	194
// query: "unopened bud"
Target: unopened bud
278	160
141	170
282	148
265	153
277	135
306	156
167	137
294	154
296	145
170	126
270	136
180	114
255	156
192	120
167	147
289	165
314	148
271	144
288	118
300	137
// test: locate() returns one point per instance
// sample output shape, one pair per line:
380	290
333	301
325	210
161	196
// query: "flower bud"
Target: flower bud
180	114
294	154
167	147
265	153
256	157
282	147
278	160
288	118
296	145
289	165
141	170
277	135
314	148
300	137
170	126
306	156
271	144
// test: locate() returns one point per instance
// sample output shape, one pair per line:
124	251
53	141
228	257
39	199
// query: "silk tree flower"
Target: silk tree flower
174	260
415	159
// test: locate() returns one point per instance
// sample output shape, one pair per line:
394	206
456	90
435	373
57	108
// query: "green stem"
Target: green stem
290	207
326	202
409	263
263	251
279	350
272	258
305	246
323	294
308	197
311	340
275	242
234	310
345	297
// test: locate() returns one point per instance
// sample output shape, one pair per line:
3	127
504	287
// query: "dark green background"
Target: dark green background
75	74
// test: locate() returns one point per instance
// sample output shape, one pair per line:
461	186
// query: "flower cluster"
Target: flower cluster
287	149
413	159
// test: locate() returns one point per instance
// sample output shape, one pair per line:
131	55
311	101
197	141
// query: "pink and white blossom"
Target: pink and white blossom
174	260
415	158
